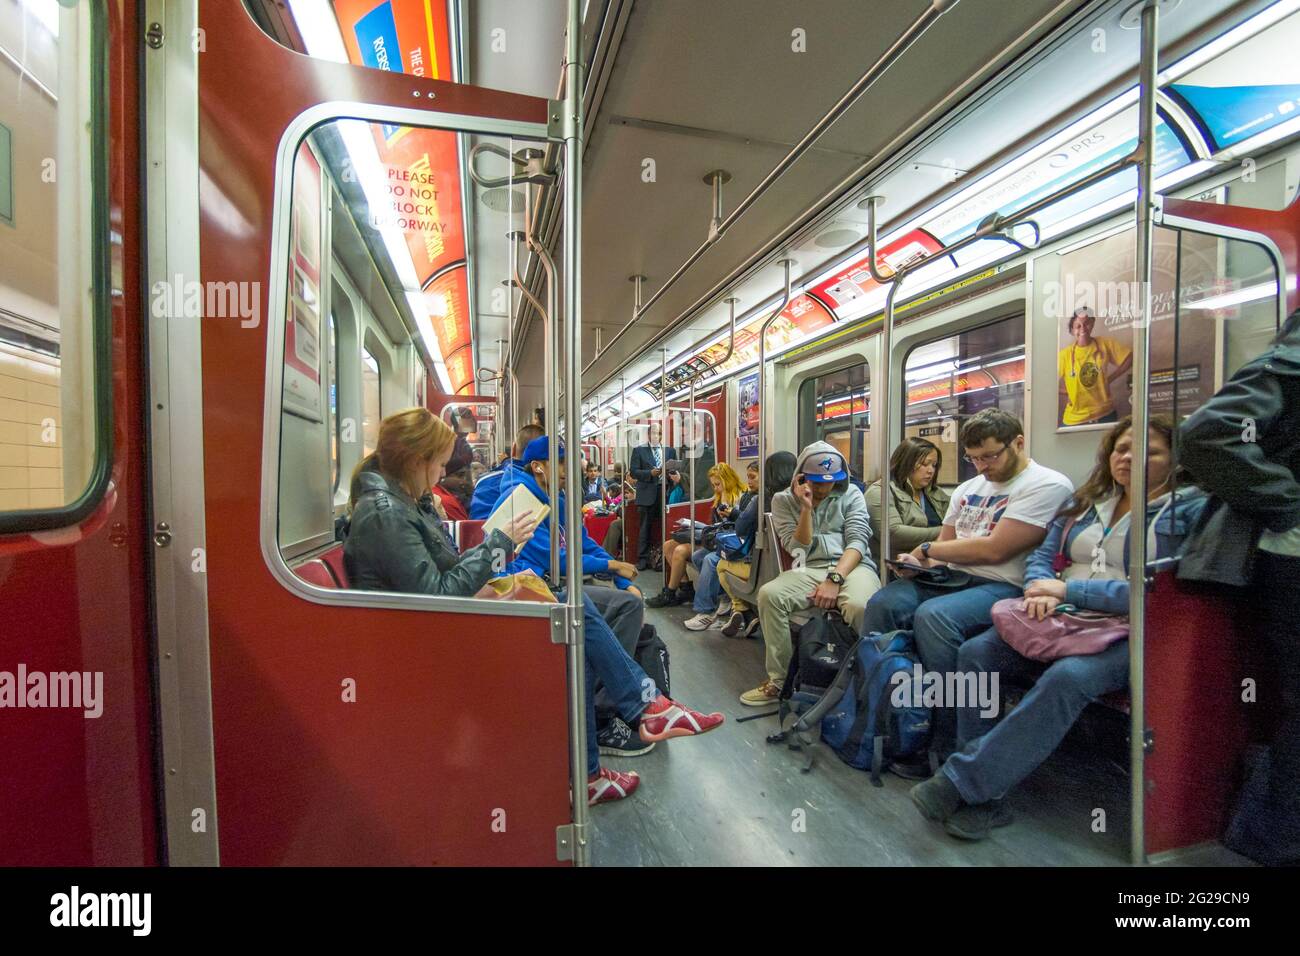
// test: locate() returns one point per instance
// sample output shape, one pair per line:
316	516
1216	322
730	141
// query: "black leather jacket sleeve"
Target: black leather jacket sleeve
1242	467
394	549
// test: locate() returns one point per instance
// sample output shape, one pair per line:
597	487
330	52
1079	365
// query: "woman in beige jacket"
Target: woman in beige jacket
917	503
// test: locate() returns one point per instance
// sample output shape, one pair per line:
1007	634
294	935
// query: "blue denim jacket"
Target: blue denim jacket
1105	595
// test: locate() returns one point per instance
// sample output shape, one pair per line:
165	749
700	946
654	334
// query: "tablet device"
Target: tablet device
916	573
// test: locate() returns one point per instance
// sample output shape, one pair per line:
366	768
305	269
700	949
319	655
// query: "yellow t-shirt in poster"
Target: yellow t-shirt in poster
1083	370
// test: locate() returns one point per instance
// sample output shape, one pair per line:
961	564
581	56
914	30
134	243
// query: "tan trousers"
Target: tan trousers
741	570
789	592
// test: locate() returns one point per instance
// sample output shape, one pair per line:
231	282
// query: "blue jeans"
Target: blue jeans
996	755
940	620
708	589
624	680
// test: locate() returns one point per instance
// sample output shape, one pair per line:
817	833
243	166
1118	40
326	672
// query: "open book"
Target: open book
520	500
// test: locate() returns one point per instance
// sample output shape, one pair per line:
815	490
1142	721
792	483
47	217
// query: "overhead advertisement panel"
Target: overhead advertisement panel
446	303
421	166
845	288
798	320
1070	162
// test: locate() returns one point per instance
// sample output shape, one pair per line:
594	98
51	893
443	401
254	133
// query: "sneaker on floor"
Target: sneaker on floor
761	696
751	626
936	798
735	624
611	785
617	739
670	719
724	608
665	598
976	822
700	622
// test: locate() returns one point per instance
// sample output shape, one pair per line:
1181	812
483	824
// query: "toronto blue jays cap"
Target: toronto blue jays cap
824	466
539	449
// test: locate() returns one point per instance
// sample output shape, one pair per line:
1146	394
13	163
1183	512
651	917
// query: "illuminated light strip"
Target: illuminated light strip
1265	290
1234	37
320	32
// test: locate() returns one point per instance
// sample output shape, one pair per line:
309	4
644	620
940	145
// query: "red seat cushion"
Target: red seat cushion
333	559
469	534
315	572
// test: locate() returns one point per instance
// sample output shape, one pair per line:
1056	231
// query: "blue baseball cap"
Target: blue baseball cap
824	466
539	449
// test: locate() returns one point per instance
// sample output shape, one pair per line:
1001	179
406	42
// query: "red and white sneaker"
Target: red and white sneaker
611	785
665	719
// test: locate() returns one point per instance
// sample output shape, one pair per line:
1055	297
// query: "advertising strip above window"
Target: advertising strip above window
852	283
446	303
798	320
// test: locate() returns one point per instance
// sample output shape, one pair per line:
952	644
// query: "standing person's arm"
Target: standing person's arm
1220	446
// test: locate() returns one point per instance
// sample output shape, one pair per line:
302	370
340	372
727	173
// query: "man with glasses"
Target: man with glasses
994	520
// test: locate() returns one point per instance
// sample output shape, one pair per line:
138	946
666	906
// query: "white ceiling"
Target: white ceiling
723	72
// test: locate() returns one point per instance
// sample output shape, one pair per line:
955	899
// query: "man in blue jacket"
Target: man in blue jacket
621	606
536	555
487	490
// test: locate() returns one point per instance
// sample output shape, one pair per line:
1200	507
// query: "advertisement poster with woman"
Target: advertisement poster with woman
747	419
1096	303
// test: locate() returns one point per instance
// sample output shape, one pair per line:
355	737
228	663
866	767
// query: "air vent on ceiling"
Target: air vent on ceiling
498	199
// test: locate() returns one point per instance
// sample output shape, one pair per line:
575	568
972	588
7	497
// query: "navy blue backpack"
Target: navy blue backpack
864	726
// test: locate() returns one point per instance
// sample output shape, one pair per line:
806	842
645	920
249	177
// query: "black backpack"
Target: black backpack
652	656
823	645
822	660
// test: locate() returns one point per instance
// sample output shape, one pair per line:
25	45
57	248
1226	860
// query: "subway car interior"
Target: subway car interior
611	257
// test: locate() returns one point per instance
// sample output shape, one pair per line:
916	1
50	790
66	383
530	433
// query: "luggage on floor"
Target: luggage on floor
652	656
822	658
878	718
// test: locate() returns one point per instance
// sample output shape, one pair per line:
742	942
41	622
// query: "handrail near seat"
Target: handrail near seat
760	571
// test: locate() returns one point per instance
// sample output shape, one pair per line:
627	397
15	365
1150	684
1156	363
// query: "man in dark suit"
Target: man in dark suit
646	468
695	448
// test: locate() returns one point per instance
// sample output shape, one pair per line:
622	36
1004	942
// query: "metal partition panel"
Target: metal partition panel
350	727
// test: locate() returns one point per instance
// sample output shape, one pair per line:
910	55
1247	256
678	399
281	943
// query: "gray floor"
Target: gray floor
731	799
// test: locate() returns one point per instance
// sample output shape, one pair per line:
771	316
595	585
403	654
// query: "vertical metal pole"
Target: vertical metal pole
763	419
879	394
620	437
573	395
690	449
1147	80
663	443
504	436
507	366
550	358
879	411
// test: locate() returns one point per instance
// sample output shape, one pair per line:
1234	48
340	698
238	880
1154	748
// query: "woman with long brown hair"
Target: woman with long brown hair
916	502
395	541
1088	541
727	491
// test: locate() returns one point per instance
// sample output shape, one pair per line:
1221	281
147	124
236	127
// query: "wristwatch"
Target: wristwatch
835	578
925	549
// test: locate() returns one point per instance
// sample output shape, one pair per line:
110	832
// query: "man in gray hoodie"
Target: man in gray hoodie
821	520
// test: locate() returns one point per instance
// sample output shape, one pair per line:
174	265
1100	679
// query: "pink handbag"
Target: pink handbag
1063	634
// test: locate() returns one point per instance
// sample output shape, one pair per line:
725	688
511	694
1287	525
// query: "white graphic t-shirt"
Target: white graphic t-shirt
1034	496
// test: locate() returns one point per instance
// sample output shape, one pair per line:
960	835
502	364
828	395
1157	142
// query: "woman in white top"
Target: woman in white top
993	756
